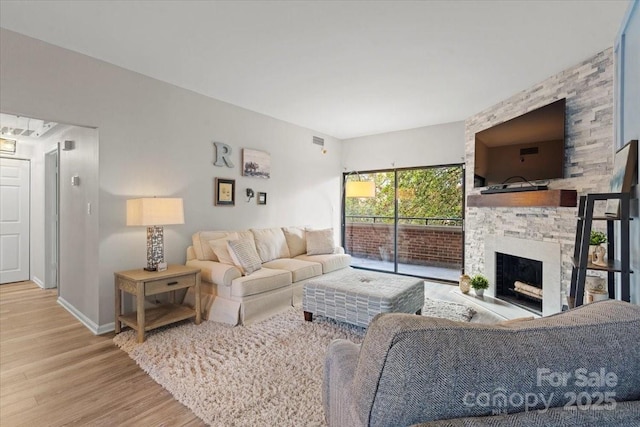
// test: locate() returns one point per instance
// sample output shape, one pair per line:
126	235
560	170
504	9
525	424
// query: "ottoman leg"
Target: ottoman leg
419	312
308	316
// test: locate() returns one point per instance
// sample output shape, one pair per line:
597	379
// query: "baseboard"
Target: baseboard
109	327
91	325
38	282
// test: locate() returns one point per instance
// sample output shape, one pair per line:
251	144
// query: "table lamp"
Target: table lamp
154	213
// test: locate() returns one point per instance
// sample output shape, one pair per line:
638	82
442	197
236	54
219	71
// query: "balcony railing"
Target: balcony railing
379	219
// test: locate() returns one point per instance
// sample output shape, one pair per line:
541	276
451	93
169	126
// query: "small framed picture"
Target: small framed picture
262	198
8	145
256	163
225	192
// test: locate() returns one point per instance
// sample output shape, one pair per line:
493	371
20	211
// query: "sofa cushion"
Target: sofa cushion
330	262
296	240
201	246
263	280
300	270
320	241
244	255
270	243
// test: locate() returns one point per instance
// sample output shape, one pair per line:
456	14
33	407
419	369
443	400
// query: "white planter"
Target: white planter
479	292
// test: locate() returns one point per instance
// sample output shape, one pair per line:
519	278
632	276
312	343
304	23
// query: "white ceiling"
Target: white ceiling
344	68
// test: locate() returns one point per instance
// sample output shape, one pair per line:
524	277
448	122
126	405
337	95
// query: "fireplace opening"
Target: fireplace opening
519	281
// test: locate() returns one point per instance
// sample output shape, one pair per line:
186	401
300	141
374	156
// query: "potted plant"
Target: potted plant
596	250
479	283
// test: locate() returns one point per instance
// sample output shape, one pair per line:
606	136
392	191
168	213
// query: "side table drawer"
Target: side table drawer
167	285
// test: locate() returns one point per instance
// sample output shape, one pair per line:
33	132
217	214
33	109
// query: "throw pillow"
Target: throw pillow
219	247
320	242
296	240
244	255
270	243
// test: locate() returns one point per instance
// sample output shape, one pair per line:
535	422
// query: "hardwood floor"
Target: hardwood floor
54	371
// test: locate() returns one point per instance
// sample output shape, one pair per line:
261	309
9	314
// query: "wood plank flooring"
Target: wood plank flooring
55	372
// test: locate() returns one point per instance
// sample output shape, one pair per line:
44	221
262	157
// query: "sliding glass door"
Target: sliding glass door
413	224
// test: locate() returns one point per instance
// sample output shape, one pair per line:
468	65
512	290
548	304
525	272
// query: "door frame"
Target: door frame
52	218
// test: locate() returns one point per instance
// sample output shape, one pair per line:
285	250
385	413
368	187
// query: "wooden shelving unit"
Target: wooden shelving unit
542	198
581	261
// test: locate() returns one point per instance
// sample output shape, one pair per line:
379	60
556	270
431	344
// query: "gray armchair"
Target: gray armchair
413	369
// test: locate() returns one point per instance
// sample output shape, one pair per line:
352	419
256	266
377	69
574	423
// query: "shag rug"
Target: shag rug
267	373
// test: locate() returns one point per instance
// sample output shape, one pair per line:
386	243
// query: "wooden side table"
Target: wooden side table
143	283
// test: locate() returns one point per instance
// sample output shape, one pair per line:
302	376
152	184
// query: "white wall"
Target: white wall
627	124
426	146
157	139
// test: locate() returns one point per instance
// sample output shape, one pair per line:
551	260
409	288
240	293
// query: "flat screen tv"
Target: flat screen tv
529	147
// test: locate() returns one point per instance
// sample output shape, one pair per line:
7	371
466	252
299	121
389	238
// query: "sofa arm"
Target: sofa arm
216	272
338	250
191	253
339	367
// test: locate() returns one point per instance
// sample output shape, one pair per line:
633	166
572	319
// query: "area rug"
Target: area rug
268	373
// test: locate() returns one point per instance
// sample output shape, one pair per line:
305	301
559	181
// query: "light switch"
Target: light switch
75	180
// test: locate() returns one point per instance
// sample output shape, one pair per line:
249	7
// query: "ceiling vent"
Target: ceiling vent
318	141
12	126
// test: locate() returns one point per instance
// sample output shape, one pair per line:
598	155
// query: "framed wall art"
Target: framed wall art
262	198
256	163
8	145
225	192
622	177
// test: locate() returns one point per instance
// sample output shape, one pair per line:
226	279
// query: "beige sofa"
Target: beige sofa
232	297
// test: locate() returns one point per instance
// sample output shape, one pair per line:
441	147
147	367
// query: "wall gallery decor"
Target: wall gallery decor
256	163
225	192
223	154
262	198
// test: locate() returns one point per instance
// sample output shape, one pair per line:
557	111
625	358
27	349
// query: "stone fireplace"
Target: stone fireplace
546	234
547	254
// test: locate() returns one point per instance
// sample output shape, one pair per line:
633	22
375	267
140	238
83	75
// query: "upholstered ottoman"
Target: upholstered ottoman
356	296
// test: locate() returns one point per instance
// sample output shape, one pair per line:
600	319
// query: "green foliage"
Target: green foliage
422	193
597	237
479	282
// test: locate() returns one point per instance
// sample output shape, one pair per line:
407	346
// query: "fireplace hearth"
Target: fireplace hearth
519	281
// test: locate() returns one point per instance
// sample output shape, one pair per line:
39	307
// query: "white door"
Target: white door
14	220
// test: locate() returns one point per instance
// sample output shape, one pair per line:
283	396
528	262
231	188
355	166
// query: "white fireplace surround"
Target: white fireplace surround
546	252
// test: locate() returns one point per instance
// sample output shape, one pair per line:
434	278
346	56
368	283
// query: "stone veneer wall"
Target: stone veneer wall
588	89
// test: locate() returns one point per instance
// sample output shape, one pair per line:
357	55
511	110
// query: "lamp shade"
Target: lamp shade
360	189
150	211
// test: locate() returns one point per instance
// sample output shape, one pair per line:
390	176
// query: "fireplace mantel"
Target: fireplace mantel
542	198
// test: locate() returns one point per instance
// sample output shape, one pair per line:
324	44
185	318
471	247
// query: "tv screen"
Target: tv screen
529	147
